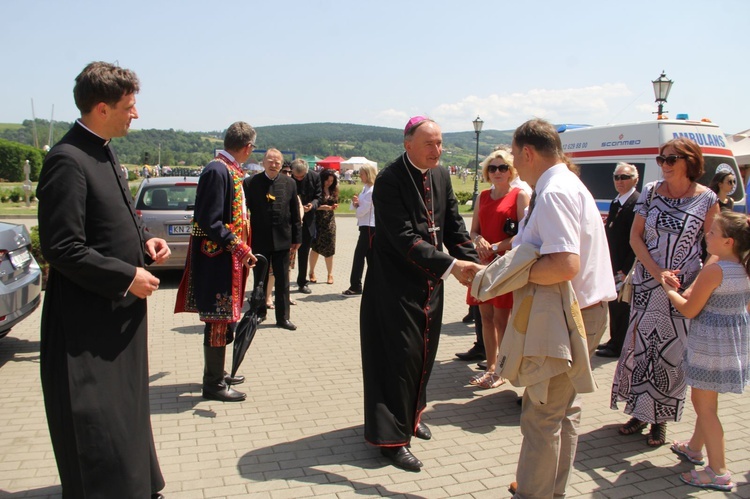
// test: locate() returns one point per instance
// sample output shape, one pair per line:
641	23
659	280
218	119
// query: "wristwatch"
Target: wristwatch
495	247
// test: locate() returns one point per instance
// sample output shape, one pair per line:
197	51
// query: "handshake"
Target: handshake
465	271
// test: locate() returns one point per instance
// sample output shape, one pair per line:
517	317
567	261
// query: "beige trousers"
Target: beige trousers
550	431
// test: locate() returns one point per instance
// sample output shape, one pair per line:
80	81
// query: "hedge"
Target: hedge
12	158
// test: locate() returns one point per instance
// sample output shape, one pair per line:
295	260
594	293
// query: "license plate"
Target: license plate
20	258
179	229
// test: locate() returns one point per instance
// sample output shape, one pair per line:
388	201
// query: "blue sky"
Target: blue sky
204	65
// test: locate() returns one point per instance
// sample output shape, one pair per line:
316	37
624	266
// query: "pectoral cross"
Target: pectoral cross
433	230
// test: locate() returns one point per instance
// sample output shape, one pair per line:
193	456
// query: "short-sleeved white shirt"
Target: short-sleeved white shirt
566	220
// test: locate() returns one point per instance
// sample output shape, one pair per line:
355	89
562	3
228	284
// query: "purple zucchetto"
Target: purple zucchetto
414	121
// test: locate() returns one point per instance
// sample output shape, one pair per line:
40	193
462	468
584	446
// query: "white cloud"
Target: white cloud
570	105
593	105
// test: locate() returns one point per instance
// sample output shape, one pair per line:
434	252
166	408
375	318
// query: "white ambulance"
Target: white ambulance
597	149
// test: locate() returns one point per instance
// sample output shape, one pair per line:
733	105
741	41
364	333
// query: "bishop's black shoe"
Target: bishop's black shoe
402	458
475	353
423	431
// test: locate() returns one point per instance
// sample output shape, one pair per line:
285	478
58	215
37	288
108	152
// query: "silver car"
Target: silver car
20	277
166	204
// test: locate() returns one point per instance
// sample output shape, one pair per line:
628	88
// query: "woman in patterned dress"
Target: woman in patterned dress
325	224
666	237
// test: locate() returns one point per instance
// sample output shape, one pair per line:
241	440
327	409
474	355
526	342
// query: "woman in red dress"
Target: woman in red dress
493	225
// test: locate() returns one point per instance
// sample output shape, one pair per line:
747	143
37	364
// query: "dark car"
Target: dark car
166	204
20	277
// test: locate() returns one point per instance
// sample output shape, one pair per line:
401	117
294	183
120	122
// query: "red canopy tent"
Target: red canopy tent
332	162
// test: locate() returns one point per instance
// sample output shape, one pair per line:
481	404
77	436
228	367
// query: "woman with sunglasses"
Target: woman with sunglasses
493	225
671	217
724	184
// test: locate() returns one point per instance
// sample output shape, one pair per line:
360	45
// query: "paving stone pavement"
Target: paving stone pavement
300	434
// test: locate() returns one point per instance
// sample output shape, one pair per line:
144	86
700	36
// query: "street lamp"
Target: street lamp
662	86
477	129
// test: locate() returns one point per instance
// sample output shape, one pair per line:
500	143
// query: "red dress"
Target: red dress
492	216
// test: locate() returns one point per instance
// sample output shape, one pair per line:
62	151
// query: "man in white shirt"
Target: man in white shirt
564	223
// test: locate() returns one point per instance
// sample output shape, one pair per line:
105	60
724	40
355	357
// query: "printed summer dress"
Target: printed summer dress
718	348
650	375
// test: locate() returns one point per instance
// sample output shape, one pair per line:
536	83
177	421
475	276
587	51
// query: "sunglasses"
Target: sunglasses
286	172
622	177
669	160
494	168
731	181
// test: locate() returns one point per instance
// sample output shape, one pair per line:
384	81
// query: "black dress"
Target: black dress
94	358
325	222
402	301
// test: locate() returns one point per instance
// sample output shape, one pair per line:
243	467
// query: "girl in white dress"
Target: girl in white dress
717	357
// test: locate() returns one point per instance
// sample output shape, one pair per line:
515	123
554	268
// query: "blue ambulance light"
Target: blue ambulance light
682	116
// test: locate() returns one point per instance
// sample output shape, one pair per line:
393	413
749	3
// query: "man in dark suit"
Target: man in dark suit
94	340
619	220
310	193
275	226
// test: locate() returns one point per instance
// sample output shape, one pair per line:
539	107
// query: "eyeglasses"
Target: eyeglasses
622	177
669	160
252	145
493	168
286	172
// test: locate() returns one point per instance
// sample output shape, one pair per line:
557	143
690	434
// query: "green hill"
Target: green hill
379	144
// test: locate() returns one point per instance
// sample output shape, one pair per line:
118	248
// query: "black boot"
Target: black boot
214	386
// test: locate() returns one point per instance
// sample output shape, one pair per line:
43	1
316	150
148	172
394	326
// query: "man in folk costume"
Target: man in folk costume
94	343
218	259
402	302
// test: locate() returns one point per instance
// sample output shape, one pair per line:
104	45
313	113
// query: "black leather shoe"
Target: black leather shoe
236	380
423	431
286	325
223	393
474	353
157	496
305	289
468	318
607	352
402	458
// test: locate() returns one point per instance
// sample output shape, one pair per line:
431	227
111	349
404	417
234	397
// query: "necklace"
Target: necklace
669	191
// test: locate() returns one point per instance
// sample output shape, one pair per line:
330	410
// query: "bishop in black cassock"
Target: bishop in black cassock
416	213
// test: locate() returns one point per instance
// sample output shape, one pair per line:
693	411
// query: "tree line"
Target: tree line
177	147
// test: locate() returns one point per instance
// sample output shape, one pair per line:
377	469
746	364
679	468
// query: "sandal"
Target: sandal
486	380
635	425
351	292
683	450
330	279
270	306
715	482
658	435
312	279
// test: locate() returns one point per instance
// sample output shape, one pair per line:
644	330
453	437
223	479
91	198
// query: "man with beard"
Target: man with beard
415	214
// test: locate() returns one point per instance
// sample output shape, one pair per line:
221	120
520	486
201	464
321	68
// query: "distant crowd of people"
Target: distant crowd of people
546	280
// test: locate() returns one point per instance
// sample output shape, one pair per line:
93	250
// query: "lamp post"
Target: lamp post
662	86
477	129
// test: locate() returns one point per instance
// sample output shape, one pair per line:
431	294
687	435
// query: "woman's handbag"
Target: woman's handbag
626	289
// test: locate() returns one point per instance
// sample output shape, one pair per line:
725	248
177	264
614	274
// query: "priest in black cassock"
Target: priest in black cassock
94	358
416	214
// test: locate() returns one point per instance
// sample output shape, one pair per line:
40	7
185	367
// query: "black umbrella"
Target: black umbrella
248	325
